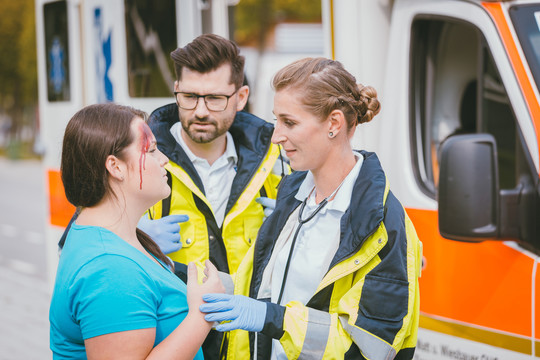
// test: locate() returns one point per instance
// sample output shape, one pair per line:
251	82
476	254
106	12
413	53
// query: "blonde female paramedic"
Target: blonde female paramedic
115	296
334	271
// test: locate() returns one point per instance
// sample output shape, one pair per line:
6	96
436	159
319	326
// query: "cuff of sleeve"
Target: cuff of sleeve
181	271
273	323
227	282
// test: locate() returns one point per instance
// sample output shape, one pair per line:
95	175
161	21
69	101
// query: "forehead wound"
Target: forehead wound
146	136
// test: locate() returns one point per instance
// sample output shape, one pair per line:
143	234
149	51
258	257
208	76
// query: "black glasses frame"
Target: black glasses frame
227	97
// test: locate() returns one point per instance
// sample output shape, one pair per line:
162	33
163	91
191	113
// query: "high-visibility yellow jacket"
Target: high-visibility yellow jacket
367	304
201	237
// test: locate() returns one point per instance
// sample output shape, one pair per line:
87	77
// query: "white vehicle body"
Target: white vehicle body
83	48
445	67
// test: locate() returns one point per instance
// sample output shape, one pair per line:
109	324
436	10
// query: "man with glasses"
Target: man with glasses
221	161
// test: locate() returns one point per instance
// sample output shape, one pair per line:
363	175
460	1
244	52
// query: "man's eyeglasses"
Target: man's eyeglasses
189	101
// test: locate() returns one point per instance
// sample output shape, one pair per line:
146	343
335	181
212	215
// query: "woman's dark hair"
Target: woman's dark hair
208	52
92	134
324	85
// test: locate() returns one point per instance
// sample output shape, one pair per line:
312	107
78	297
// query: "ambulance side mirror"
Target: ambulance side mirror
468	188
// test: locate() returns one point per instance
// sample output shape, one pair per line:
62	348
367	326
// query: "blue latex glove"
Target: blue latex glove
165	231
268	204
243	312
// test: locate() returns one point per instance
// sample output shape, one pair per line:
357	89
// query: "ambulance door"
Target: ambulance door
127	49
103	37
477	299
60	90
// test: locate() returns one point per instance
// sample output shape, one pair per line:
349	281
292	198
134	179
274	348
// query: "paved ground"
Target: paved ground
24	293
24	311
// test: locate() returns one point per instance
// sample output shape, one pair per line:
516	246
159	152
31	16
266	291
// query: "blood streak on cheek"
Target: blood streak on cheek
146	138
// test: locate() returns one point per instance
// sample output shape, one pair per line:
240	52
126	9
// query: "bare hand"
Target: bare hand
211	284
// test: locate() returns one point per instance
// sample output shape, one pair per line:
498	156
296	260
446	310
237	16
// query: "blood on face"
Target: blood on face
146	140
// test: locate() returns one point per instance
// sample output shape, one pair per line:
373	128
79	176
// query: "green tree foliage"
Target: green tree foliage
255	18
18	73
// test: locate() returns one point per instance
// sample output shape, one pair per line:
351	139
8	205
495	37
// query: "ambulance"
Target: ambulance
458	136
92	51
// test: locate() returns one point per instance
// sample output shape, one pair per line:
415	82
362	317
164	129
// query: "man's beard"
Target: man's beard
203	137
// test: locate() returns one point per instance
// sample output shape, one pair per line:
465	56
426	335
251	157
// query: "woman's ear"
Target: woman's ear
115	167
336	123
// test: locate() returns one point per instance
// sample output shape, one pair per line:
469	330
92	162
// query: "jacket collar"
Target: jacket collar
362	218
251	139
160	121
365	212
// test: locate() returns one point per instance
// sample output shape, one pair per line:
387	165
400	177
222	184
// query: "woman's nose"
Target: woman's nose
277	136
164	158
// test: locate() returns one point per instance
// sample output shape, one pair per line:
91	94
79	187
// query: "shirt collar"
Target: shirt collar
342	199
230	150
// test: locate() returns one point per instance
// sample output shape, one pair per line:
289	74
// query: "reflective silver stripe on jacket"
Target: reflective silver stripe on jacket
317	333
371	347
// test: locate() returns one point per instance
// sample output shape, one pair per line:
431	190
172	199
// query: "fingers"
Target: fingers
224	308
171	237
226	327
266	202
176	218
214	297
172	228
210	269
172	248
192	275
205	272
219	315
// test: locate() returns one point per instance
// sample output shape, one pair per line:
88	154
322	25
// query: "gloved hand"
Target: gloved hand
165	231
268	204
244	313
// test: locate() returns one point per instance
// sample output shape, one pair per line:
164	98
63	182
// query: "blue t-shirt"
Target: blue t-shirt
105	285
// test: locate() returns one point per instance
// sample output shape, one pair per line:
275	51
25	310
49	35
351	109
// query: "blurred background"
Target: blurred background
19	121
266	30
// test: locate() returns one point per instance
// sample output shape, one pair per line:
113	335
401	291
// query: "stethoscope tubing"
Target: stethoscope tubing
300	223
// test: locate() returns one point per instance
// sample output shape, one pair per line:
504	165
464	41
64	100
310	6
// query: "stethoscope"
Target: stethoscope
301	222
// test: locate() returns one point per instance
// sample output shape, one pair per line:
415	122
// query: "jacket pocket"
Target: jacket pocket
187	234
384	298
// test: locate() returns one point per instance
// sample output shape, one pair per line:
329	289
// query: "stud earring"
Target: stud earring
330	134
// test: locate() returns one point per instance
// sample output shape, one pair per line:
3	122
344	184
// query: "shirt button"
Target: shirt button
211	237
188	241
380	241
356	262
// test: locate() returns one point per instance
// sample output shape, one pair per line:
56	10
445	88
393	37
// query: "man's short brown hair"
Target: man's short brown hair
208	52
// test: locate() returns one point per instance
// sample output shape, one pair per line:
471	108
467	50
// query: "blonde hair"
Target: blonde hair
324	86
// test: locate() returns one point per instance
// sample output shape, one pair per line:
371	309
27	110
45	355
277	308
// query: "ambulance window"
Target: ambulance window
526	19
56	45
456	89
150	38
497	119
